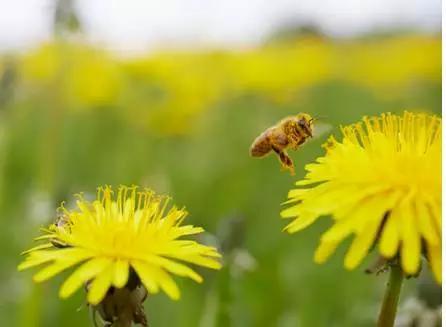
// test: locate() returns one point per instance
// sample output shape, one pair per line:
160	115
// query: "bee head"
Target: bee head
305	123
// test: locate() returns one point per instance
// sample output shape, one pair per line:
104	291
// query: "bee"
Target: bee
291	132
62	221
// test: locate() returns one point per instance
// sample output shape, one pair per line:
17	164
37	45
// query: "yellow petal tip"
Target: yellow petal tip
350	265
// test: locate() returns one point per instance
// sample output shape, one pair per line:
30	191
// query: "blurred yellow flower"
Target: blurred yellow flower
114	237
382	183
166	92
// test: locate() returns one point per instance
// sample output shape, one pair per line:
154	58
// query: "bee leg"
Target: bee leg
293	142
285	160
296	142
290	167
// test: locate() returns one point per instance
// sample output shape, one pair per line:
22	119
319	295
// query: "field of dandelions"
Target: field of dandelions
73	117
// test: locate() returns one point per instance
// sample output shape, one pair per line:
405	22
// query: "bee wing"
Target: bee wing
321	128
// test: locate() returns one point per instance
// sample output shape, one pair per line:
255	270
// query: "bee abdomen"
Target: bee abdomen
261	146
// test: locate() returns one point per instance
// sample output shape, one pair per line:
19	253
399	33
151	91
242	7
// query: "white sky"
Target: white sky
138	25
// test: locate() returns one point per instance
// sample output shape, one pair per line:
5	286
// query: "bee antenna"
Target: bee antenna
318	118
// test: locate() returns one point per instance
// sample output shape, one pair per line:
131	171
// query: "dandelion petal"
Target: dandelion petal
121	273
388	244
410	251
324	251
100	285
361	245
60	265
84	273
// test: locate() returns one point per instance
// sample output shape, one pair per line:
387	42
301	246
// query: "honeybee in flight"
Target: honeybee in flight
290	132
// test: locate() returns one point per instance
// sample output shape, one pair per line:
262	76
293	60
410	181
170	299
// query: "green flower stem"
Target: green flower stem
391	297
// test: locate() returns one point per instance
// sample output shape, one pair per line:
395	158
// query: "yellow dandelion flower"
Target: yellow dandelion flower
382	183
112	238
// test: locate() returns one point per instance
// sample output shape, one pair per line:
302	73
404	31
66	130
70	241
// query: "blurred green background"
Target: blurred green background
74	116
